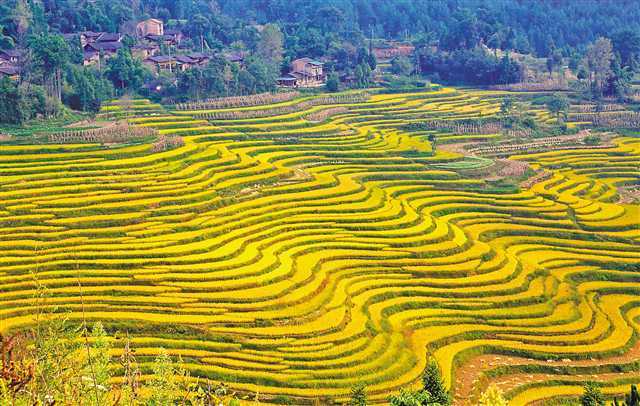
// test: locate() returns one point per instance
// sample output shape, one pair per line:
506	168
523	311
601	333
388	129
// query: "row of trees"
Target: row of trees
474	66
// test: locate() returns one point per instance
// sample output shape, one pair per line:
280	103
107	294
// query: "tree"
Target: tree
620	81
558	105
199	25
51	54
363	75
598	60
22	17
554	61
592	395
358	395
506	106
270	46
408	398
627	44
333	82
125	71
86	89
492	397
633	398
401	65
432	383
20	103
264	75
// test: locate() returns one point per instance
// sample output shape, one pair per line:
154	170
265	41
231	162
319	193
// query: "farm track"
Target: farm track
295	258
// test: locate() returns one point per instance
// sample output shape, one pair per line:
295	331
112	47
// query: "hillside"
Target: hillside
297	248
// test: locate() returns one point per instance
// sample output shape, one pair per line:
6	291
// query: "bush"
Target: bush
592	139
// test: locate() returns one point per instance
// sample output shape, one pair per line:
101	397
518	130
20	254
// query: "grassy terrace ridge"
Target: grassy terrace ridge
303	257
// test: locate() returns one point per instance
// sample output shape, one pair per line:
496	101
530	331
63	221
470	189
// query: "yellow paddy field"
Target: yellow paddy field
295	258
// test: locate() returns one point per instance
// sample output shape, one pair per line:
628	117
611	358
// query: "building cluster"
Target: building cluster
152	42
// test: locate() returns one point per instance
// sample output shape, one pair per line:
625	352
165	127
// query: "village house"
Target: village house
162	63
236	57
151	26
201	59
110	37
94	51
185	62
89	37
304	72
143	51
90	58
178	63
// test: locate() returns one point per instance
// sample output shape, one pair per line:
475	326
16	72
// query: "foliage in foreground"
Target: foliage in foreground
56	364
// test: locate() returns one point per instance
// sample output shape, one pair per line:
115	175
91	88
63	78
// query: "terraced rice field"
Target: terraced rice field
297	258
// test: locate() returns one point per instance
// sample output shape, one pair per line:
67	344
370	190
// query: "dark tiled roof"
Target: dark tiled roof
152	37
160	59
185	59
110	37
145	46
111	46
198	55
91	34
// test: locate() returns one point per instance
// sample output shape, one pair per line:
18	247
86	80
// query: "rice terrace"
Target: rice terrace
287	256
357	203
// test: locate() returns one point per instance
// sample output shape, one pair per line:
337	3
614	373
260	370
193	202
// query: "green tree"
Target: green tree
433	383
554	61
125	71
333	82
620	81
358	395
270	46
264	75
86	88
598	60
198	28
558	105
506	106
592	395
363	75
633	398
51	55
401	65
627	44
22	102
409	398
